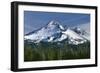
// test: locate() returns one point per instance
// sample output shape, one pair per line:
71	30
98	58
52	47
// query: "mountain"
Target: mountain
83	33
48	32
55	32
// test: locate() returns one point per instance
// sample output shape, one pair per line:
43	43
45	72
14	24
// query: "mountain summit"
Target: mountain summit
55	32
55	24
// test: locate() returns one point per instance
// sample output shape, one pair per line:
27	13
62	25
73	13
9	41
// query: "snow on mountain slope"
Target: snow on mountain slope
72	34
52	28
82	33
54	32
73	37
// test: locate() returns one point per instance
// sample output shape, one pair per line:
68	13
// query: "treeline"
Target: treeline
55	51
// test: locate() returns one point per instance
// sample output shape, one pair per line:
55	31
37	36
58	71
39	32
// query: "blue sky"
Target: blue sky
34	20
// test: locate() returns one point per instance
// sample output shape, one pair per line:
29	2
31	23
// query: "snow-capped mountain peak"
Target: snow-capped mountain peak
53	28
55	24
82	33
55	32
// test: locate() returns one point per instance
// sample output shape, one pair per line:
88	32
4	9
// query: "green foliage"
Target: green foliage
55	51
